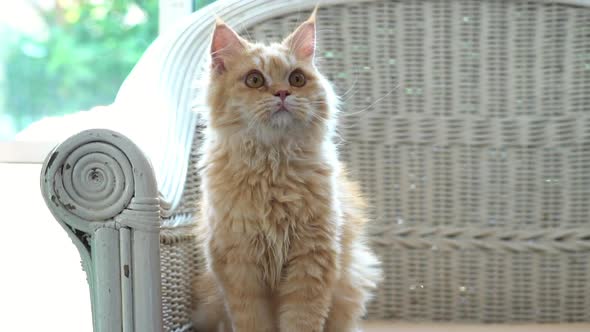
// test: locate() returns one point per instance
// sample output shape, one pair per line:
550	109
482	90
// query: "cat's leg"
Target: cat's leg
246	296
347	308
209	314
359	278
306	290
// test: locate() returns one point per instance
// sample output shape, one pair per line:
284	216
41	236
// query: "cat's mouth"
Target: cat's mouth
281	109
281	117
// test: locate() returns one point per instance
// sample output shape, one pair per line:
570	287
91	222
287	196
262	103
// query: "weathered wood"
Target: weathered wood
96	183
147	295
105	254
126	279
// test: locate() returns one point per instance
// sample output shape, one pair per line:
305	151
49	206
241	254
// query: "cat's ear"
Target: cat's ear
302	41
225	44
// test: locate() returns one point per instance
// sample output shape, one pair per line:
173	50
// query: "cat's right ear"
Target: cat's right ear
302	41
225	44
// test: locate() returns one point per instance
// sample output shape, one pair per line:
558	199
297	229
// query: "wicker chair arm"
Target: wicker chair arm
102	190
94	176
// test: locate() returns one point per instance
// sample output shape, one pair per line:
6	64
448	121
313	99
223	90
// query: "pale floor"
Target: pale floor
399	327
43	285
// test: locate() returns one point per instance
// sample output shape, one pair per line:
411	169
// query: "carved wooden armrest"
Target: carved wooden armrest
102	190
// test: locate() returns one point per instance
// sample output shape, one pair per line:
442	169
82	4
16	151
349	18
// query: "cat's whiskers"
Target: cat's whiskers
318	117
247	32
257	116
373	103
318	103
350	89
306	113
298	109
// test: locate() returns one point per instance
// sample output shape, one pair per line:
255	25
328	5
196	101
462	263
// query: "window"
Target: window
62	57
57	58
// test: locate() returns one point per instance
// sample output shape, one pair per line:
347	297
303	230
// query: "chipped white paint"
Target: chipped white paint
115	226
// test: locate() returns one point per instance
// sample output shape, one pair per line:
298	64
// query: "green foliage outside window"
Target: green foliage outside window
89	48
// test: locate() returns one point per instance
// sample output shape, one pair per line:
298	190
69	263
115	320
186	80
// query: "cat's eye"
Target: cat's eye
297	78
254	79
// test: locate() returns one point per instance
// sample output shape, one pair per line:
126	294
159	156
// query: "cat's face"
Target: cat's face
267	90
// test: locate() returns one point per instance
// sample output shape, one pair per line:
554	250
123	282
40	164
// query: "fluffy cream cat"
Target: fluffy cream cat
282	228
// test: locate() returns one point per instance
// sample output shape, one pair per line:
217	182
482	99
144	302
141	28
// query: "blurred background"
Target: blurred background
63	56
59	57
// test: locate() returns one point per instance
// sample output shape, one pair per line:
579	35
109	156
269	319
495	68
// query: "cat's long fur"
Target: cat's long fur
283	226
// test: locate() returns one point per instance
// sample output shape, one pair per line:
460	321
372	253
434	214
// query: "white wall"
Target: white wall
42	285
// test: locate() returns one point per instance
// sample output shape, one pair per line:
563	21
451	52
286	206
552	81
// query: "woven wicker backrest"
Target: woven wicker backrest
467	124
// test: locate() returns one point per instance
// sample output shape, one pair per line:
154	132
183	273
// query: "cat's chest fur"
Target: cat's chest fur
260	202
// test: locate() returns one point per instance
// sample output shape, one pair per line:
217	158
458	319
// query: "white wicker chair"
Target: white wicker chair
467	123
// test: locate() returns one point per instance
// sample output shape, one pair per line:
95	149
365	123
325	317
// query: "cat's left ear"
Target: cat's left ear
302	42
225	44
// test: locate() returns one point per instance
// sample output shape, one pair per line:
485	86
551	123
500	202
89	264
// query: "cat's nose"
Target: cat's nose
282	94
